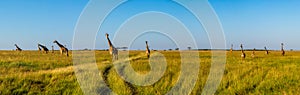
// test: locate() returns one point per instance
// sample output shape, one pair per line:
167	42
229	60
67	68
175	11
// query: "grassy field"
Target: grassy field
30	72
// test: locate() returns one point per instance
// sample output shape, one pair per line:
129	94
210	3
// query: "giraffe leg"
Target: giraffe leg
114	57
67	52
61	51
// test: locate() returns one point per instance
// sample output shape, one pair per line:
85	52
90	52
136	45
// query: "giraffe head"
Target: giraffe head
55	41
106	35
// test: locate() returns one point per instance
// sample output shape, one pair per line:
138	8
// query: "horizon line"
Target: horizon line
158	49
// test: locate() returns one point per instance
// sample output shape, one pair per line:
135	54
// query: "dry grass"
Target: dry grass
30	72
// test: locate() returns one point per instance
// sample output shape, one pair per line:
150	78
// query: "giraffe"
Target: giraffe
62	48
243	55
282	50
18	48
39	49
43	48
267	51
112	50
253	53
147	50
52	49
231	49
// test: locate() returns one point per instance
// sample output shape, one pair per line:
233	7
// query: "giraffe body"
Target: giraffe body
52	49
63	49
231	49
267	51
147	50
112	50
243	55
39	48
253	53
18	48
282	50
43	48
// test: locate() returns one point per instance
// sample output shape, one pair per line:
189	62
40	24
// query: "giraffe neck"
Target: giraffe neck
60	45
109	43
147	46
17	47
42	46
242	50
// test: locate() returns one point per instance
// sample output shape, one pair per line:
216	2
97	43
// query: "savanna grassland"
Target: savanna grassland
31	72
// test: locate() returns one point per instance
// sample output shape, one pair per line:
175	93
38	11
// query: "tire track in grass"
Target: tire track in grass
108	68
105	75
252	87
105	79
228	84
52	71
67	69
263	78
132	88
253	68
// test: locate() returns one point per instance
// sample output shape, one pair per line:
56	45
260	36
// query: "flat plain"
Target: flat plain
31	72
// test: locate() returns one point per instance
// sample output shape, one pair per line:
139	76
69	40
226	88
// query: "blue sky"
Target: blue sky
260	22
255	23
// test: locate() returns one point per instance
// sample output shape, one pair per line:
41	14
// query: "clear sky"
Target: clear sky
255	23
